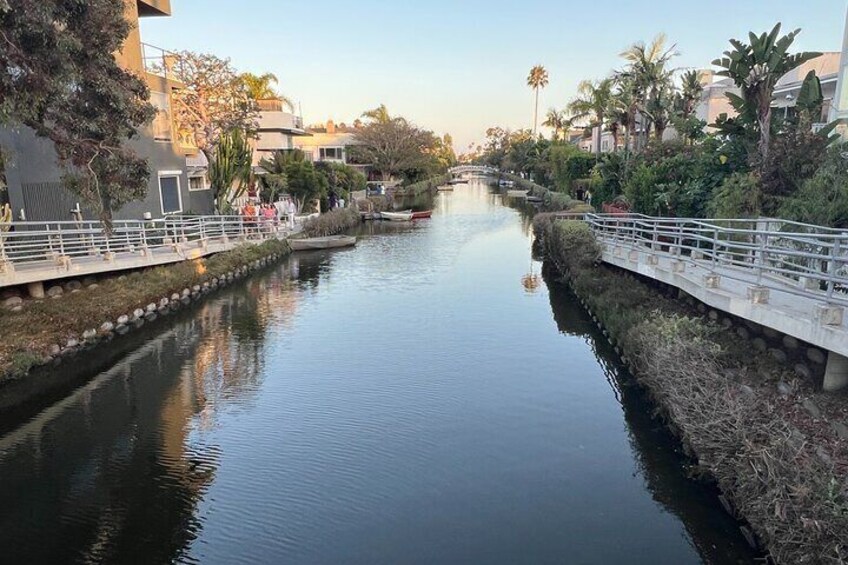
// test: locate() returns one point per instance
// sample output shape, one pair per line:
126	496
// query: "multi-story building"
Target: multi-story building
35	190
839	108
331	143
277	130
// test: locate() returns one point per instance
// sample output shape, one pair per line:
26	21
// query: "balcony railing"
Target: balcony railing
159	62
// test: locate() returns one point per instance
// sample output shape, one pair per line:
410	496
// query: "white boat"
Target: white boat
445	188
330	242
405	216
517	193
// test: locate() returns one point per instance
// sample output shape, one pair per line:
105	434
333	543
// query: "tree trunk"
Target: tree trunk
600	134
536	113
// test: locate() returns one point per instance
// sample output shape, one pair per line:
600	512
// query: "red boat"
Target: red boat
422	215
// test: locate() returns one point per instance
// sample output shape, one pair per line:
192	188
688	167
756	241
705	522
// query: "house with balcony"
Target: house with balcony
35	190
277	129
331	143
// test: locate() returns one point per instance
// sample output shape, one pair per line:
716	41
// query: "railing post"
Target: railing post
761	263
831	269
715	248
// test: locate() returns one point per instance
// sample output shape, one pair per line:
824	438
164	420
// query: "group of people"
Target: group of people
268	216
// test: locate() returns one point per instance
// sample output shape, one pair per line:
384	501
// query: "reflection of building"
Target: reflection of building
35	189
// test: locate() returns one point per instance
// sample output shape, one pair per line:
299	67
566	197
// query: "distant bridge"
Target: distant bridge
472	170
787	276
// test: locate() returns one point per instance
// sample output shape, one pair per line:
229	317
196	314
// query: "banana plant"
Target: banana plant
230	169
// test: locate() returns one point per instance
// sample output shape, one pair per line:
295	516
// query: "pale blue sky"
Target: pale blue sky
460	67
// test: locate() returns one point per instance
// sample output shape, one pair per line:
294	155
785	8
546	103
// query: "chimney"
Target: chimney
331	127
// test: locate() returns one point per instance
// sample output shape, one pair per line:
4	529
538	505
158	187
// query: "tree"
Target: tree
537	79
393	147
61	80
230	168
557	121
380	114
686	100
259	87
215	99
755	68
591	103
650	81
290	171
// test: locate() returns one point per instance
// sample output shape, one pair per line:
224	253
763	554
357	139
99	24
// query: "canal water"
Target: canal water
412	400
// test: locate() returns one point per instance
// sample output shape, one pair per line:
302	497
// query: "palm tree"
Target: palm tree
591	103
650	80
259	87
755	68
537	79
380	114
557	121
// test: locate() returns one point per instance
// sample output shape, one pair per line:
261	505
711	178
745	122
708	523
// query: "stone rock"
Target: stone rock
107	327
186	292
17	309
122	329
777	354
164	302
812	409
713	315
123	320
784	389
54	350
88	335
759	344
164	310
743	332
185	300
175	297
73	285
770	333
76	291
122	278
803	371
840	429
195	288
13	301
71	343
726	323
151	307
138	313
206	285
816	355
54	291
88	281
93	286
150	316
790	342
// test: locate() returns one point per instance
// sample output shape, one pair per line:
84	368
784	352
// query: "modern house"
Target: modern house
35	190
331	143
277	129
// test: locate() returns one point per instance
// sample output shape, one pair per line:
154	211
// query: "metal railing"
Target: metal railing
801	259
28	243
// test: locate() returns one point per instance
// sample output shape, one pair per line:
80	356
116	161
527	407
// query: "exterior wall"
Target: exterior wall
313	144
839	109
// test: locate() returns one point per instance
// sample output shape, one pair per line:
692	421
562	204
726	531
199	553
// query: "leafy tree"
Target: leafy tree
537	79
755	68
61	80
215	99
290	171
342	179
380	114
230	168
393	147
592	102
260	87
823	199
650	78
557	121
569	164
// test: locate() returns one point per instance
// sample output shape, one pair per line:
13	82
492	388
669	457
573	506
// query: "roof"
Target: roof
826	67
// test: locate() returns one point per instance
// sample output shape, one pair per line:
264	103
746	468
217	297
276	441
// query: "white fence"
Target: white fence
801	259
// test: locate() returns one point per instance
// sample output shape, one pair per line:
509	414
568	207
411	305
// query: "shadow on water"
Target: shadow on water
714	533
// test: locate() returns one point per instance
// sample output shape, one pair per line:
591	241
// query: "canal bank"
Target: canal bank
404	401
774	446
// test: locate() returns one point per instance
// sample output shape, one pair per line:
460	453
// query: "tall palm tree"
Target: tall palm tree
537	79
556	120
591	103
650	78
260	87
380	114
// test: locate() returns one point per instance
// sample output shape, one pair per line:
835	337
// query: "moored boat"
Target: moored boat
422	215
330	242
517	193
445	188
397	216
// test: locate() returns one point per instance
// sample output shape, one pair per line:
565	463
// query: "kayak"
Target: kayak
330	242
422	215
396	216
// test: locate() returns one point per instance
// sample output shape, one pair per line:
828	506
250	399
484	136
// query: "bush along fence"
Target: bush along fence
332	223
41	332
552	201
776	448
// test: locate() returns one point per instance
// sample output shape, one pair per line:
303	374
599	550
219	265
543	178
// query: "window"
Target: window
197	182
162	121
331	153
169	192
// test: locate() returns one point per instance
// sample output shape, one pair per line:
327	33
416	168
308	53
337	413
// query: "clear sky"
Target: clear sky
460	66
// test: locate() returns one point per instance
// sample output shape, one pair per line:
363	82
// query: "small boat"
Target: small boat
331	242
535	199
445	188
397	216
517	193
458	181
422	215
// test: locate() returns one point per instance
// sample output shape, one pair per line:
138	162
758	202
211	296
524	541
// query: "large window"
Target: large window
331	153
169	192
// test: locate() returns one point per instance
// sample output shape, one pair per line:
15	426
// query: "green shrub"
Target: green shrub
823	199
737	197
574	244
569	164
332	223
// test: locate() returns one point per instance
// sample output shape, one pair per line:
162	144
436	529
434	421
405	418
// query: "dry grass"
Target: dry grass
783	470
29	334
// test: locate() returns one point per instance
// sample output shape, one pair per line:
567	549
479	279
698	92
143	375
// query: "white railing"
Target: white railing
28	243
801	259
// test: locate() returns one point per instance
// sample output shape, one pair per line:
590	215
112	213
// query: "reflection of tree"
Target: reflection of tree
110	474
714	534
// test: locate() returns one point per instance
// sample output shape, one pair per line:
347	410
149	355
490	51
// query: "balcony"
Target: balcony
278	120
159	62
154	8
